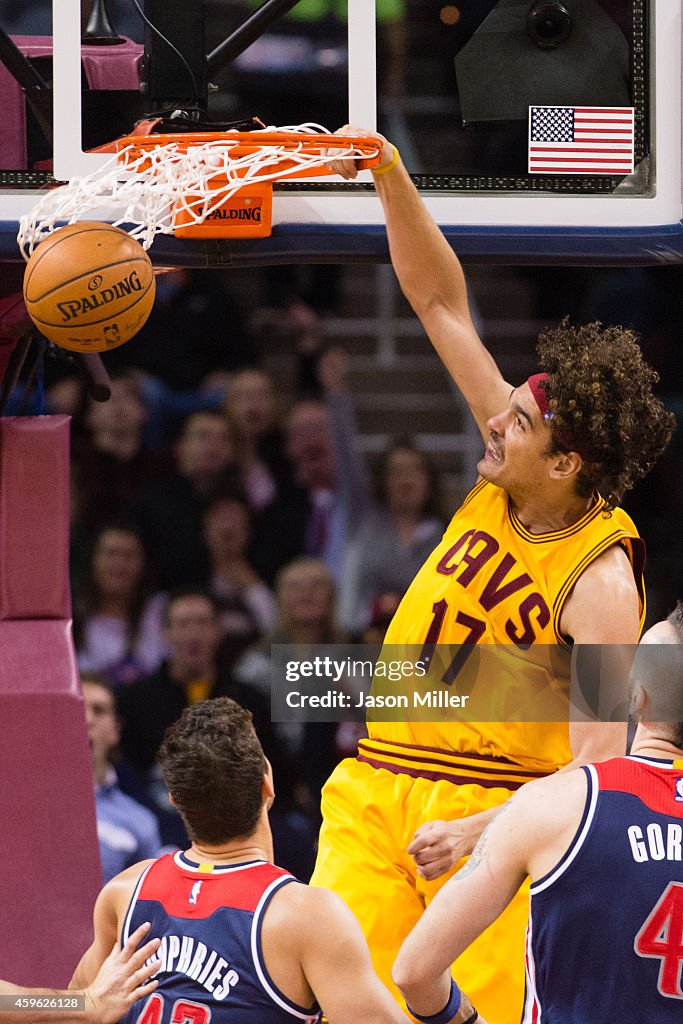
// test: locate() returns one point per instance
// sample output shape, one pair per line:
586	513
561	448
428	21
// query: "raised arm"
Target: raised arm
432	280
353	472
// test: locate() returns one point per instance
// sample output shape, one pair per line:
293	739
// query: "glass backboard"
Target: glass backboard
526	125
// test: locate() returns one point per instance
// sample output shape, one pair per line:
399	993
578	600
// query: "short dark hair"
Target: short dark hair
88	597
600	394
405	443
98	679
658	667
675	619
200	414
187	590
213	765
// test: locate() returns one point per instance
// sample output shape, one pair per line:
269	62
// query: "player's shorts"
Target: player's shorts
370	816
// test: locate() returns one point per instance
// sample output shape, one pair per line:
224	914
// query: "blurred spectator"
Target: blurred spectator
168	409
320	480
127	831
396	538
116	425
67	396
169	514
296	324
323	445
111	460
383	609
246	605
306	598
252	405
266	473
193	330
117	621
61	391
190	673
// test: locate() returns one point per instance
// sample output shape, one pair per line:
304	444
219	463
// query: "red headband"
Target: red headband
540	393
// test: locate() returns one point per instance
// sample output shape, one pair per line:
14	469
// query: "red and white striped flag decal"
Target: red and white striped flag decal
581	140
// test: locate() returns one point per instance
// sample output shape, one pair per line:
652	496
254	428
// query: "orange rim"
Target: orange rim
246	143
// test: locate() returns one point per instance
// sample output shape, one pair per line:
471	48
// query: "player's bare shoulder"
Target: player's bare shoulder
299	930
323	911
117	893
129	875
298	902
550	795
607	583
541	805
550	811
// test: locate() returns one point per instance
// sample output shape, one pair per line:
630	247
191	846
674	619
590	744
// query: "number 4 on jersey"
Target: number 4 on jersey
662	937
184	1012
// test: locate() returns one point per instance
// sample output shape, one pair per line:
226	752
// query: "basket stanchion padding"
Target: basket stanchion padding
49	858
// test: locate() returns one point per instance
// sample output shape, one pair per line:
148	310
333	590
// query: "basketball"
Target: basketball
89	287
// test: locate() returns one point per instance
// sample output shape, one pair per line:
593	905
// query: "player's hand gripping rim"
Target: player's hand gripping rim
348	169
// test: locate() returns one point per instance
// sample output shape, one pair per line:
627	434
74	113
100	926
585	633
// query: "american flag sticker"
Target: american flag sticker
581	140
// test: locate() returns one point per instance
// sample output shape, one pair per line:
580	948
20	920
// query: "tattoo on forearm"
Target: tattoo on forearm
475	859
479	852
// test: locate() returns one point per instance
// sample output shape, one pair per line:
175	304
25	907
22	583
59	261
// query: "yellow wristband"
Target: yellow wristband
390	166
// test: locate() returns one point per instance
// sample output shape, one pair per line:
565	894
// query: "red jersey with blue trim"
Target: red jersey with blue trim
209	920
605	934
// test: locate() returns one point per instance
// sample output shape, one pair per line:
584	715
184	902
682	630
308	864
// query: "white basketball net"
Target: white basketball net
144	191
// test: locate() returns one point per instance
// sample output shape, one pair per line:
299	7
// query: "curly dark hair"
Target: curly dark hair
213	764
600	395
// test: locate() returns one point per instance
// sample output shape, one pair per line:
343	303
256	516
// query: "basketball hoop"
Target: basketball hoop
197	185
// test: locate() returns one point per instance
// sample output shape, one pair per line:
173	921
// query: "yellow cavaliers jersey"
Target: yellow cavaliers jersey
490	581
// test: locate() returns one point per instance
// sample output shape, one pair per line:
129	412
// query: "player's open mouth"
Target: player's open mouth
493	454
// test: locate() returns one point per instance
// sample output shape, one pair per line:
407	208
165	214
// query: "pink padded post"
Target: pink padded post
49	859
34	517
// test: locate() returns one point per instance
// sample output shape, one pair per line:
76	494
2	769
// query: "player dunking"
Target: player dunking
603	846
241	941
535	555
